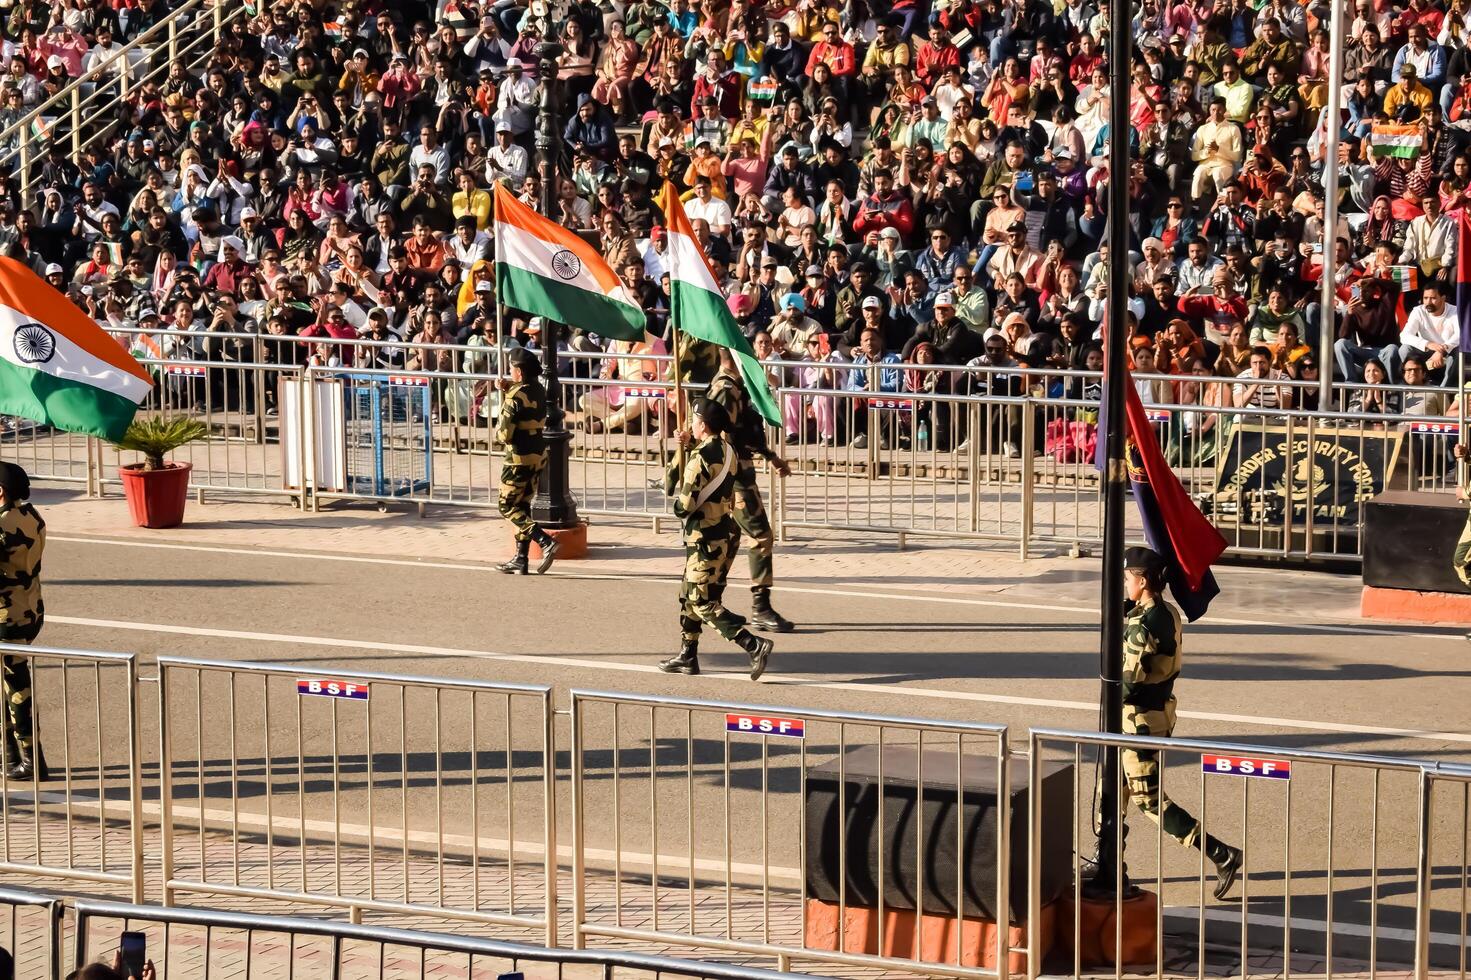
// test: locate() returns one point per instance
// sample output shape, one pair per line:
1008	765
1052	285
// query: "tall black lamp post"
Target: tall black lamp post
553	507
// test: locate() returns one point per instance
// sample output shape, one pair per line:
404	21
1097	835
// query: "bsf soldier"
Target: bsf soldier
523	416
22	613
1461	559
703	491
746	433
1153	634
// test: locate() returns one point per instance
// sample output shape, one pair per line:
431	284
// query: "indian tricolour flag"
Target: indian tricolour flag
1395	140
546	270
57	365
696	306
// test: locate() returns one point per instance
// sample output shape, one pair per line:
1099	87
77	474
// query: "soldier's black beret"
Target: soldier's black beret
1147	559
713	414
526	361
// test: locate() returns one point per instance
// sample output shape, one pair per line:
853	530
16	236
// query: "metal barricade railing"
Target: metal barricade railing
1335	865
761	830
30	933
84	823
1443	898
1000	454
359	791
189	943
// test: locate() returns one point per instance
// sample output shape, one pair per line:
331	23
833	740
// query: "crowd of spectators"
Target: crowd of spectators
918	181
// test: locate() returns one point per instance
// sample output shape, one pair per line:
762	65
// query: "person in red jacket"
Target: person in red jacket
837	54
885	208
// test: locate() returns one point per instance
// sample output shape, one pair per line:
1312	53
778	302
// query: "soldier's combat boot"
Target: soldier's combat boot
30	764
12	751
548	551
763	617
759	647
686	662
1227	860
517	565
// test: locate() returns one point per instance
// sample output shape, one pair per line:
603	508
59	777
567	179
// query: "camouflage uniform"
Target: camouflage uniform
523	415
22	539
747	434
699	360
1461	562
710	538
1153	633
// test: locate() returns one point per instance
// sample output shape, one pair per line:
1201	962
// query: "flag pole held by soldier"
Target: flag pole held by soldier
22	614
703	490
523	416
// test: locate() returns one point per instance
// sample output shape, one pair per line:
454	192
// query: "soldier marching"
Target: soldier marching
746	433
22	614
1153	644
703	489
523	416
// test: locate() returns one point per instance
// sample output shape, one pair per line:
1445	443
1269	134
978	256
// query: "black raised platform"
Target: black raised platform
903	819
1409	539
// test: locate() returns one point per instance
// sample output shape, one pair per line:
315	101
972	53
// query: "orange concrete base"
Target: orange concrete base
1409	606
1098	932
571	543
863	933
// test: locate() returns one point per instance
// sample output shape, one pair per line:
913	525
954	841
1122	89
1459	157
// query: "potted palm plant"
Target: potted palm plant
156	488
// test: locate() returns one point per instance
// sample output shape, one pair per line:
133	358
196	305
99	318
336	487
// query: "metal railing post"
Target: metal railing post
1034	857
1424	875
579	870
24	139
76	117
135	782
173	39
549	806
165	791
1028	496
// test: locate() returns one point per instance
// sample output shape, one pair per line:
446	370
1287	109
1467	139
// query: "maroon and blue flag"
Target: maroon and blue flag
1463	277
1173	526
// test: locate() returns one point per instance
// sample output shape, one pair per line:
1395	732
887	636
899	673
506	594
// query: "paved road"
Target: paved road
1022	661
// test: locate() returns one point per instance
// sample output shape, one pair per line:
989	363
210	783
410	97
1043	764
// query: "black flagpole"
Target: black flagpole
1111	648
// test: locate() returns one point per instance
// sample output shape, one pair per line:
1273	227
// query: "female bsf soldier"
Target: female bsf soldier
704	493
1153	633
22	613
523	416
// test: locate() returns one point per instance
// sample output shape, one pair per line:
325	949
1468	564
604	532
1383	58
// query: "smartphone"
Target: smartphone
1355	291
135	954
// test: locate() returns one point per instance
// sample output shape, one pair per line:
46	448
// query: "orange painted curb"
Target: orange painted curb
572	543
1097	931
1410	606
937	935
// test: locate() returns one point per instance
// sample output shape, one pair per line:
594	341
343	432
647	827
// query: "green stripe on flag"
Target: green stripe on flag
1396	150
573	305
70	405
703	314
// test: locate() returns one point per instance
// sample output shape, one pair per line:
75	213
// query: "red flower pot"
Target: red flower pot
156	498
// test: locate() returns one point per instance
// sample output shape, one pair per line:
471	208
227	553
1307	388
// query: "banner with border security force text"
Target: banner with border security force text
547	270
698	308
57	366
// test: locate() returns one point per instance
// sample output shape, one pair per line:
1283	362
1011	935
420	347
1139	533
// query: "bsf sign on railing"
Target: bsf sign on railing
815	831
361	791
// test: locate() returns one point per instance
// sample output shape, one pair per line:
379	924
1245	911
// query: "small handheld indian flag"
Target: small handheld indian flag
546	270
1396	140
57	366
697	307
